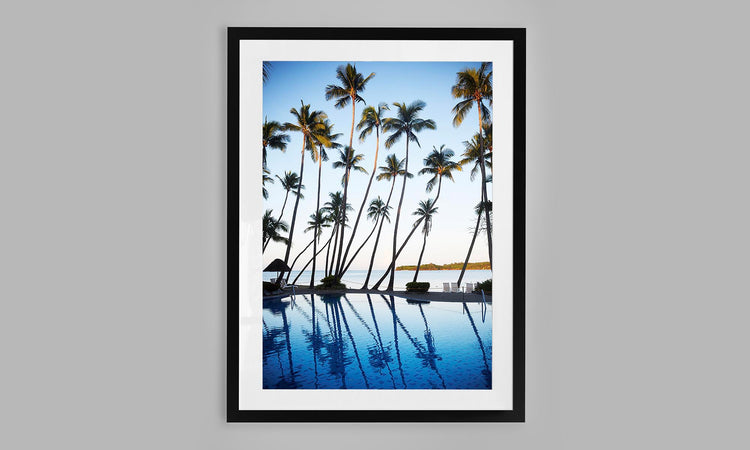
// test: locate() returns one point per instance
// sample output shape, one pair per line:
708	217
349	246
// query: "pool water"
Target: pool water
364	341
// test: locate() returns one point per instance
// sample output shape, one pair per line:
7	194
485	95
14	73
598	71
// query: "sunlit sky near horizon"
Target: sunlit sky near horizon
431	82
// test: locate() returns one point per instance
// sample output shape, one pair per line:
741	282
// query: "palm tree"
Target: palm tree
272	227
289	184
474	86
318	221
372	119
390	171
438	163
310	124
273	138
328	142
425	211
478	211
266	179
378	210
406	124
391	267
471	155
266	71
352	83
333	209
348	161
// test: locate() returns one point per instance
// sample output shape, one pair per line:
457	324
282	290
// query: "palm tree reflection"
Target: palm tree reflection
487	371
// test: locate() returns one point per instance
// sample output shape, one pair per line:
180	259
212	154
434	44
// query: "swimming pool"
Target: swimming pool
365	341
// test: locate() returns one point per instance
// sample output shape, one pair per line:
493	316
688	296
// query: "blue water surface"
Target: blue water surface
364	341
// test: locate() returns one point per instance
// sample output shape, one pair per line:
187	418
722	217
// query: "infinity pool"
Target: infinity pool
364	341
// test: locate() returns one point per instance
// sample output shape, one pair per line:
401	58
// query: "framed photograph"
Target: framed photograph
376	224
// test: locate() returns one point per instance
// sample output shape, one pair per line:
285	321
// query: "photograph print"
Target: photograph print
376	212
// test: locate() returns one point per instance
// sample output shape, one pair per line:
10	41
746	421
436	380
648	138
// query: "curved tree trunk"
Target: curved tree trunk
317	209
364	201
398	216
311	259
419	263
291	266
377	238
391	268
343	219
484	184
278	221
296	202
360	248
471	246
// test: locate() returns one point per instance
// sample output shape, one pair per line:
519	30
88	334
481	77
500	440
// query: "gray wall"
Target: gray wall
112	181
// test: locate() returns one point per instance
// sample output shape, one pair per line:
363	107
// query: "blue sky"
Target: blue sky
431	82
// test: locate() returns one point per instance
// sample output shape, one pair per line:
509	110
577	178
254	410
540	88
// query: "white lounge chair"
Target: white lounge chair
469	288
454	287
446	287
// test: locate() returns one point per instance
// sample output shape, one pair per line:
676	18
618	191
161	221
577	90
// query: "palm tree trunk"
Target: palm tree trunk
471	246
278	221
364	201
333	252
360	248
419	263
377	238
291	266
484	184
343	220
296	202
311	259
398	216
317	209
392	268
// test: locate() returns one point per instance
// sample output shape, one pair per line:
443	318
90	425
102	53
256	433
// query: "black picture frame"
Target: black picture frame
518	38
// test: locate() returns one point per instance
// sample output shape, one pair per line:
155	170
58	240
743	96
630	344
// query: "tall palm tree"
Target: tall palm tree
328	141
272	227
348	161
474	86
351	84
289	184
372	119
392	266
310	124
378	210
406	124
425	211
439	164
390	171
478	210
266	179
273	138
471	155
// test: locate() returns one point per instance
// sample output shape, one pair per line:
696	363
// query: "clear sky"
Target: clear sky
431	82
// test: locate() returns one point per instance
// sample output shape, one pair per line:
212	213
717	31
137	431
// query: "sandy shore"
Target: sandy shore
423	296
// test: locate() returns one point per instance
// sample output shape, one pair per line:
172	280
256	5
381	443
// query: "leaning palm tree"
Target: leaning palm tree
272	228
391	267
378	210
289	183
474	86
273	138
310	124
439	164
390	171
475	154
348	161
372	119
316	223
425	211
406	124
351	84
478	210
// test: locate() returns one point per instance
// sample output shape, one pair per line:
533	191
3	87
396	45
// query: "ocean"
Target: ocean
355	278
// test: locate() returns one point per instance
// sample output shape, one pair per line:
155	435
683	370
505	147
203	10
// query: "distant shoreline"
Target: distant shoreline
452	266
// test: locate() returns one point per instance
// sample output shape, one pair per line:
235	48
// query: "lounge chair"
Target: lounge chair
454	287
446	287
469	288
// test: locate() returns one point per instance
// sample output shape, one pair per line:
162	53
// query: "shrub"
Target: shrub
270	287
417	287
485	286
331	282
